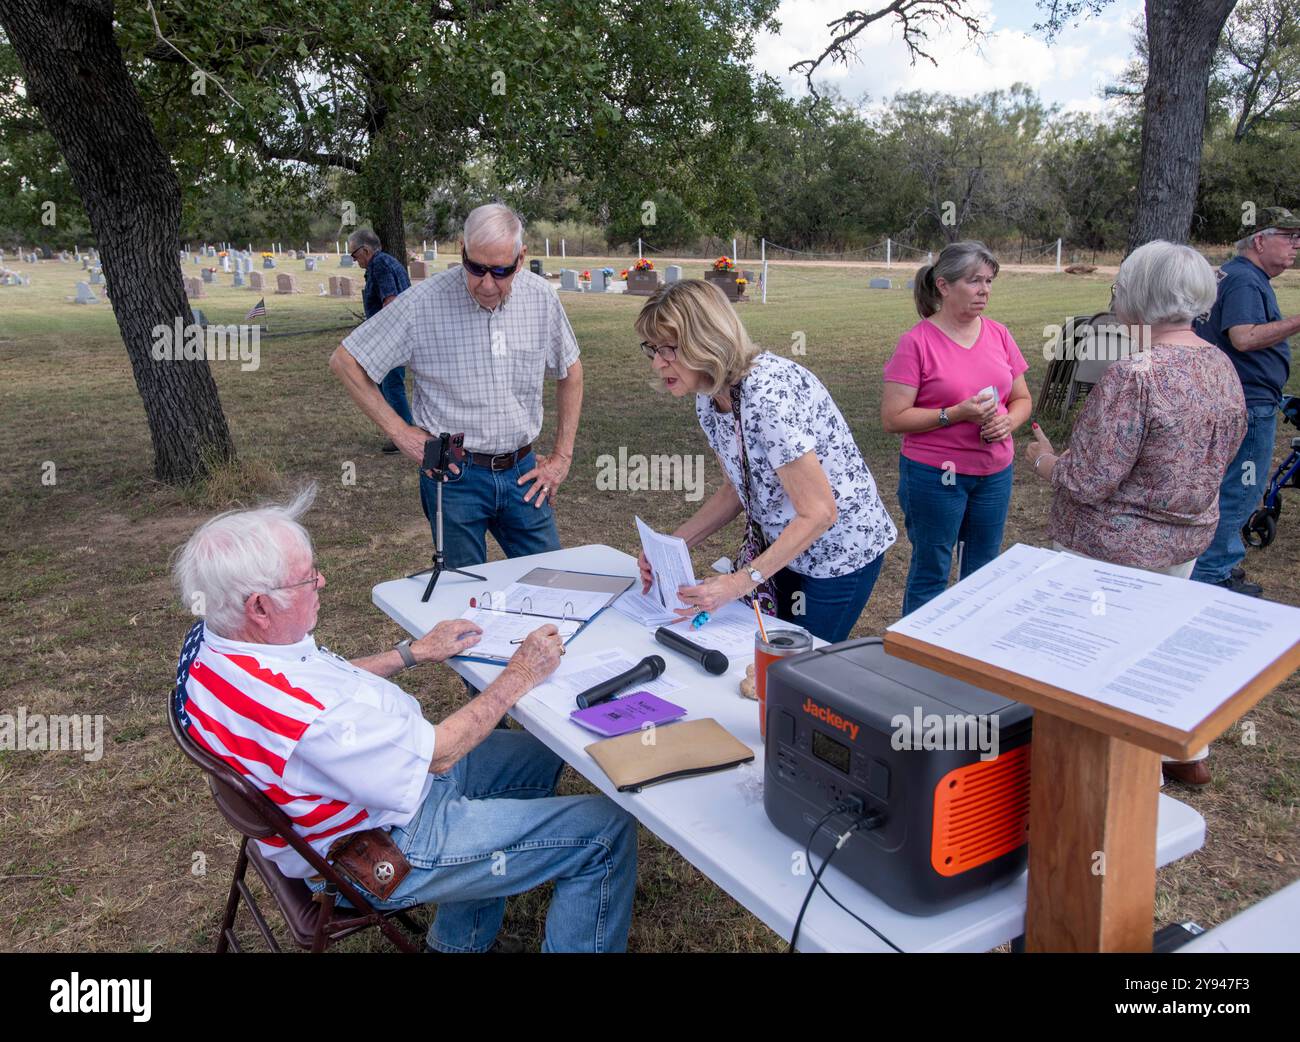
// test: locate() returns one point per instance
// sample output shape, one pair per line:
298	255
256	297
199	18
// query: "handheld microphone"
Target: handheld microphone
714	662
647	669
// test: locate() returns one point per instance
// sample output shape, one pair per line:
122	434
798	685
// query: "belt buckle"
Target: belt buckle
507	459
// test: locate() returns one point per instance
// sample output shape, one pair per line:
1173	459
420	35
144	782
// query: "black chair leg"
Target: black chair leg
232	903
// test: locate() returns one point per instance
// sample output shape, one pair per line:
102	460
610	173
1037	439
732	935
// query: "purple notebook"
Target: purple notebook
629	713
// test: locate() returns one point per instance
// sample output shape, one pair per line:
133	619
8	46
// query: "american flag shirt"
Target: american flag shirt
338	749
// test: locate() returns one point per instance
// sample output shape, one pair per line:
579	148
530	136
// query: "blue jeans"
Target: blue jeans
1240	493
970	509
829	607
479	501
393	388
492	826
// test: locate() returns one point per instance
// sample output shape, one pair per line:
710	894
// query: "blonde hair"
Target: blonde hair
696	318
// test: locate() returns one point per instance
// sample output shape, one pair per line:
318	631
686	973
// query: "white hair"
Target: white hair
238	553
1164	282
364	237
493	223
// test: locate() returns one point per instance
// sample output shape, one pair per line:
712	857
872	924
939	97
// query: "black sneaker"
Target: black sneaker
1238	572
1241	586
390	448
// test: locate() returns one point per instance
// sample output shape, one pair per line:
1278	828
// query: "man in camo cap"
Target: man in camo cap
1247	324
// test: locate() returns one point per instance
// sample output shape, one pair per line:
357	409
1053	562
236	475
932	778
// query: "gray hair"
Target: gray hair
239	553
364	237
1162	282
1242	245
493	223
956	261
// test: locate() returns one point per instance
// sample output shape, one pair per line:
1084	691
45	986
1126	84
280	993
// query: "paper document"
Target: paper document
560	691
500	628
670	561
732	629
1166	649
642	609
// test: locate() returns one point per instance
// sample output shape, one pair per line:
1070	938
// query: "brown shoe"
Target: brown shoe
1190	772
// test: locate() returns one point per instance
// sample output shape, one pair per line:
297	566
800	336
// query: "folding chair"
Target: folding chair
314	921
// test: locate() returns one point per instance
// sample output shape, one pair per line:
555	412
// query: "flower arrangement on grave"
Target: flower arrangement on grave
586	276
267	253
623	275
742	281
723	264
607	272
223	253
645	264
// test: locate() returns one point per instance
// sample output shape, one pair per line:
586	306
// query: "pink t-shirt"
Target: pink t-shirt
944	373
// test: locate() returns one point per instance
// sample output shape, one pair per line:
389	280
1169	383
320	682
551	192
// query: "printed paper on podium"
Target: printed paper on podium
1167	651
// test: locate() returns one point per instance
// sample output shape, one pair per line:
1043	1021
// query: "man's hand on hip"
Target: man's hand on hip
546	478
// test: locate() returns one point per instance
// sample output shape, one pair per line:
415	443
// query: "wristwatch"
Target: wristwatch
756	577
944	421
408	656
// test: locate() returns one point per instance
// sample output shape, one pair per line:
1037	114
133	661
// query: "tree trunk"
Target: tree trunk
389	222
1181	37
76	77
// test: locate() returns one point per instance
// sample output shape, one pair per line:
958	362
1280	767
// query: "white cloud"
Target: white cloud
1070	72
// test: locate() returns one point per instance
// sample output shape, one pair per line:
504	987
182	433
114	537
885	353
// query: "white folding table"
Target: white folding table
717	821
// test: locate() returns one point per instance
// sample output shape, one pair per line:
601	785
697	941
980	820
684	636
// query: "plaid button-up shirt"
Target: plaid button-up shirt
475	370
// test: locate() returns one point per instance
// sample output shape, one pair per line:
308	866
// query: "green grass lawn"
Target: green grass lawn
129	853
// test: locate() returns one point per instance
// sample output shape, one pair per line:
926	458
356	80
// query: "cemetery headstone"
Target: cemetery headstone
334	285
96	276
208	275
225	263
309	263
880	284
85	295
345	286
237	280
673	273
419	270
200	319
256	281
268	262
569	280
194	289
599	282
429	255
345	261
284	283
535	266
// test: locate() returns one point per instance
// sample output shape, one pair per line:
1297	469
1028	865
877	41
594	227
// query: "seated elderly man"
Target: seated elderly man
343	750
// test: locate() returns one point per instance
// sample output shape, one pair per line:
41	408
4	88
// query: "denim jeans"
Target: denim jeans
492	826
393	388
829	607
1239	494
478	501
970	509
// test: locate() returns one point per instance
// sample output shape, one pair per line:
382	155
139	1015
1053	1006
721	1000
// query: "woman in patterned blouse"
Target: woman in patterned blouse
1139	484
790	460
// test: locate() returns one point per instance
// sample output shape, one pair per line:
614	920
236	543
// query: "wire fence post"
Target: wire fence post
763	258
639	254
435	249
548	248
765	277
889	253
734	255
1058	255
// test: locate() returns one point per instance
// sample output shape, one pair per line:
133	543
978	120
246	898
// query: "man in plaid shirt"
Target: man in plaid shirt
479	340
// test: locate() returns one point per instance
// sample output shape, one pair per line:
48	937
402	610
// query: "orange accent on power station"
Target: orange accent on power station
981	811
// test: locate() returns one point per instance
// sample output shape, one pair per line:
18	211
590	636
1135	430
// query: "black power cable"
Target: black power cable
861	822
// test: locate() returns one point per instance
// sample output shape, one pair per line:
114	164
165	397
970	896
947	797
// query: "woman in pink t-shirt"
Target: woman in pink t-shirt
955	389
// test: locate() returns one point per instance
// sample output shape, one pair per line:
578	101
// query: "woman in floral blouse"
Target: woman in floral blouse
1139	484
790	460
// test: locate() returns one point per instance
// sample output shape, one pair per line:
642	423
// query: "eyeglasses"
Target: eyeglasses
313	581
498	271
668	354
353	253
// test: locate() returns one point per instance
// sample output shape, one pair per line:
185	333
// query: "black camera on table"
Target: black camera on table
440	452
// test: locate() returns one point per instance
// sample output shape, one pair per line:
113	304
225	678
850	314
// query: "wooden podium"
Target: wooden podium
1094	783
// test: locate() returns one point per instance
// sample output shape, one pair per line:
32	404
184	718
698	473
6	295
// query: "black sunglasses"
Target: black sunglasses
500	271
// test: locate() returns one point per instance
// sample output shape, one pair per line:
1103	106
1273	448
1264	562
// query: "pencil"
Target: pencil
761	632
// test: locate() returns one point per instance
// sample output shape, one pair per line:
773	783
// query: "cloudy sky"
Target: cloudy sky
1070	72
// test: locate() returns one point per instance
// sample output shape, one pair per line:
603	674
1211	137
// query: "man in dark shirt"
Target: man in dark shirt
385	278
1248	326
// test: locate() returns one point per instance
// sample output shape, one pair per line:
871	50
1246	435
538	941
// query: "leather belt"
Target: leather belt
501	460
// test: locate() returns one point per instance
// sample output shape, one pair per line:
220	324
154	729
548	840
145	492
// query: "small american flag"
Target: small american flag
258	310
